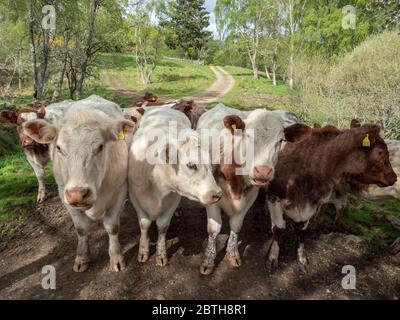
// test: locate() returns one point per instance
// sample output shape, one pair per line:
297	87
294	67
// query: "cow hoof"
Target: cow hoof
161	260
117	263
272	265
206	269
234	260
40	198
143	256
80	266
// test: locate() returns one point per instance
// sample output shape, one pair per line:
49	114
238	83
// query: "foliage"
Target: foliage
186	21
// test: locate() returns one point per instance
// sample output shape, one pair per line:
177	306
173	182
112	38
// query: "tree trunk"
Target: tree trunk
267	72
32	47
43	65
291	70
253	60
274	73
88	47
59	84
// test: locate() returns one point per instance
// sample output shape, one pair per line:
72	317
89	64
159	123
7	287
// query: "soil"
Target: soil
48	238
221	86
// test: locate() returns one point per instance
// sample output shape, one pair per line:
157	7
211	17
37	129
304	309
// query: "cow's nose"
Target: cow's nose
262	174
212	197
77	196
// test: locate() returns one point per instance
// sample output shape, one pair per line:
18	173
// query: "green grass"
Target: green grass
249	93
171	78
18	190
362	218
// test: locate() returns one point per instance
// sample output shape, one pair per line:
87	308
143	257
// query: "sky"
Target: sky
210	4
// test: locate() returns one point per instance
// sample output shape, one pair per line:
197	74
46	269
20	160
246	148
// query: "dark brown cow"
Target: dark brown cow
192	110
37	154
372	192
308	171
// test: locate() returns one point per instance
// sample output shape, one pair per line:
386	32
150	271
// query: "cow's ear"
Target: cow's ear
234	122
120	129
41	113
297	132
366	135
40	130
9	116
140	110
355	123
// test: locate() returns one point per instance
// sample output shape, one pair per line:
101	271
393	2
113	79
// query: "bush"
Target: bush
364	84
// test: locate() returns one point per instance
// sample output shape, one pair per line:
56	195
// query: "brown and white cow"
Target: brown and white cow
156	187
89	151
36	153
371	192
240	190
309	169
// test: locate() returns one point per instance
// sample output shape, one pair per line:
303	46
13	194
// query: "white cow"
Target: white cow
90	164
156	188
239	191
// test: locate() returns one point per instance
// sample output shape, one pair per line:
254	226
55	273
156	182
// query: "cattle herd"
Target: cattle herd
100	157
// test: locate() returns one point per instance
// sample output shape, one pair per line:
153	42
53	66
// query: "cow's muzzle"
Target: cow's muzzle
79	198
261	175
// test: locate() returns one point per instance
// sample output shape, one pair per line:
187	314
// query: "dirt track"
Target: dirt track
214	93
48	237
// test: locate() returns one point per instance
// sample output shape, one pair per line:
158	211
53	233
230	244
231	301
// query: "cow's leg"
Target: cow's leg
319	219
82	226
40	174
162	225
214	223
144	243
301	231
340	204
278	224
232	249
111	223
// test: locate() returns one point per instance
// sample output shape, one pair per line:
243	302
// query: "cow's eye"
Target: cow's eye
192	166
59	150
100	149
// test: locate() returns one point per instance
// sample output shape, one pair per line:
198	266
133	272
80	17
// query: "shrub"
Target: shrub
363	84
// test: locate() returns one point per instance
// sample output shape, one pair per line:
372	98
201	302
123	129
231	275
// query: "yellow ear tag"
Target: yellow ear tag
121	135
234	126
366	142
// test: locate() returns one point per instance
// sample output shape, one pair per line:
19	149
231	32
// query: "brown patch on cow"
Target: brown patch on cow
227	171
192	110
309	169
234	122
9	116
140	110
297	132
148	99
134	119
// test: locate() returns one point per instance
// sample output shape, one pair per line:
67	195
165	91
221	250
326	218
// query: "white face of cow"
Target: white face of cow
268	136
80	150
194	178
